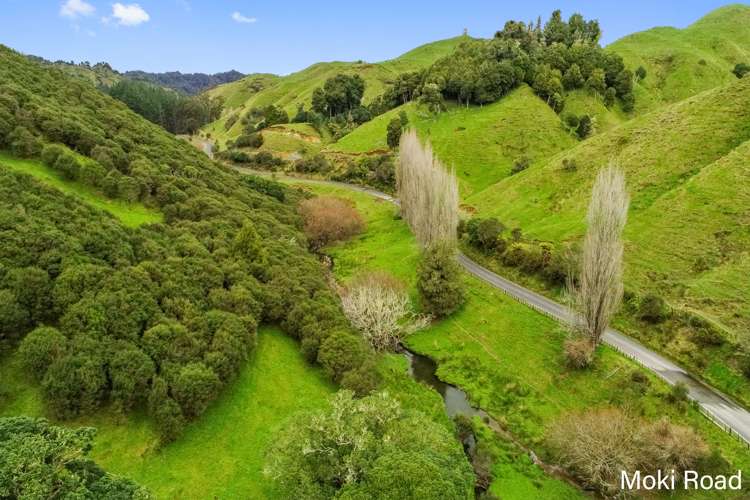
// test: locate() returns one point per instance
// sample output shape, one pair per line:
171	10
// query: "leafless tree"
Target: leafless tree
329	219
597	445
599	292
428	192
377	305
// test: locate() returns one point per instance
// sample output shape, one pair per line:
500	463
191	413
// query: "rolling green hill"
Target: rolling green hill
683	62
481	143
297	88
688	225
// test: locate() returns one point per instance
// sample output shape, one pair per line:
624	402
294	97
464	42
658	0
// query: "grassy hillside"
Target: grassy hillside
687	235
481	143
683	62
291	140
297	88
221	237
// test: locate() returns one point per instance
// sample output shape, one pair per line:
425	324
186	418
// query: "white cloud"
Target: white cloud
129	15
242	19
76	8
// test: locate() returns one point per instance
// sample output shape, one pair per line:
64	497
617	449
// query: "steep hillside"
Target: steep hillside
297	88
683	62
178	294
102	74
481	143
689	212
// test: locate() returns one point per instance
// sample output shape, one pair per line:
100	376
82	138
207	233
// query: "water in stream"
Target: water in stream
423	369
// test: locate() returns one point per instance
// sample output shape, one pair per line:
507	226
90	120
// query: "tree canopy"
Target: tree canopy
369	448
40	460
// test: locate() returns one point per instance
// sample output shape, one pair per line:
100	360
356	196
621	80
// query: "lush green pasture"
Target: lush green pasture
221	455
683	62
507	357
291	138
481	143
130	214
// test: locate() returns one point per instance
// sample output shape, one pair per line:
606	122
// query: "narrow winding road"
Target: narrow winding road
719	408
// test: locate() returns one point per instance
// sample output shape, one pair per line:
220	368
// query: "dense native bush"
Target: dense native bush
328	219
597	445
40	460
554	58
368	448
376	171
254	140
317	164
162	316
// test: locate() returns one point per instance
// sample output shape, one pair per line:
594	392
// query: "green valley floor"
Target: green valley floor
507	357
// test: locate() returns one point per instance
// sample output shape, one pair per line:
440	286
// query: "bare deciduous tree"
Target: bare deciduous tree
328	219
377	305
428	192
597	445
599	292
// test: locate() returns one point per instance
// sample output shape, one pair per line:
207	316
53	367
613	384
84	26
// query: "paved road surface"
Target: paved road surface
732	417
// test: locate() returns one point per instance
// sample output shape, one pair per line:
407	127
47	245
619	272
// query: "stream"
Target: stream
423	369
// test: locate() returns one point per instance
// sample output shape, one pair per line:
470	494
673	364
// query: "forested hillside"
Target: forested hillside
102	74
164	315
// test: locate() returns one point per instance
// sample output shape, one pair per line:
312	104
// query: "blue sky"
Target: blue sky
285	36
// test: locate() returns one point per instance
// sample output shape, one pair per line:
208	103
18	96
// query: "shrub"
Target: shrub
520	164
741	69
579	353
75	384
130	373
569	165
328	219
362	380
51	152
67	164
652	308
678	393
571	120
23	143
254	140
165	411
585	126
393	132
485	233
40	348
341	352
194	387
640	73
439	280
318	164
